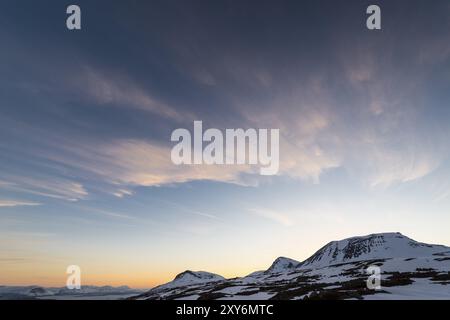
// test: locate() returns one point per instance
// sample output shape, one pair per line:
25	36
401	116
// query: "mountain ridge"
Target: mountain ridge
339	264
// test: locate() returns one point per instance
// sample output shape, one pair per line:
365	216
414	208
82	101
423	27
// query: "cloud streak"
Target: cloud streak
45	186
275	216
123	92
17	203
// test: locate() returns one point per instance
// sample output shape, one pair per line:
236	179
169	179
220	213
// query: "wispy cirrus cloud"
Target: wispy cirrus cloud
133	162
352	109
120	90
278	217
46	186
17	203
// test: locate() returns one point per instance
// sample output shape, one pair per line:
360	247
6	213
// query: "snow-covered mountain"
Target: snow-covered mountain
189	277
339	270
281	264
374	246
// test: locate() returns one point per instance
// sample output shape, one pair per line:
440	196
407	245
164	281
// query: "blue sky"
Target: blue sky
86	118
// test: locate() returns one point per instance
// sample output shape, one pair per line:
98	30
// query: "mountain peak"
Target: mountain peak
193	275
190	277
372	246
282	263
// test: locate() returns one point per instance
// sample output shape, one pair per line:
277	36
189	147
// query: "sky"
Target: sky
86	118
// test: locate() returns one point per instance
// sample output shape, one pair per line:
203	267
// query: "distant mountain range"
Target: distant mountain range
408	270
85	292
